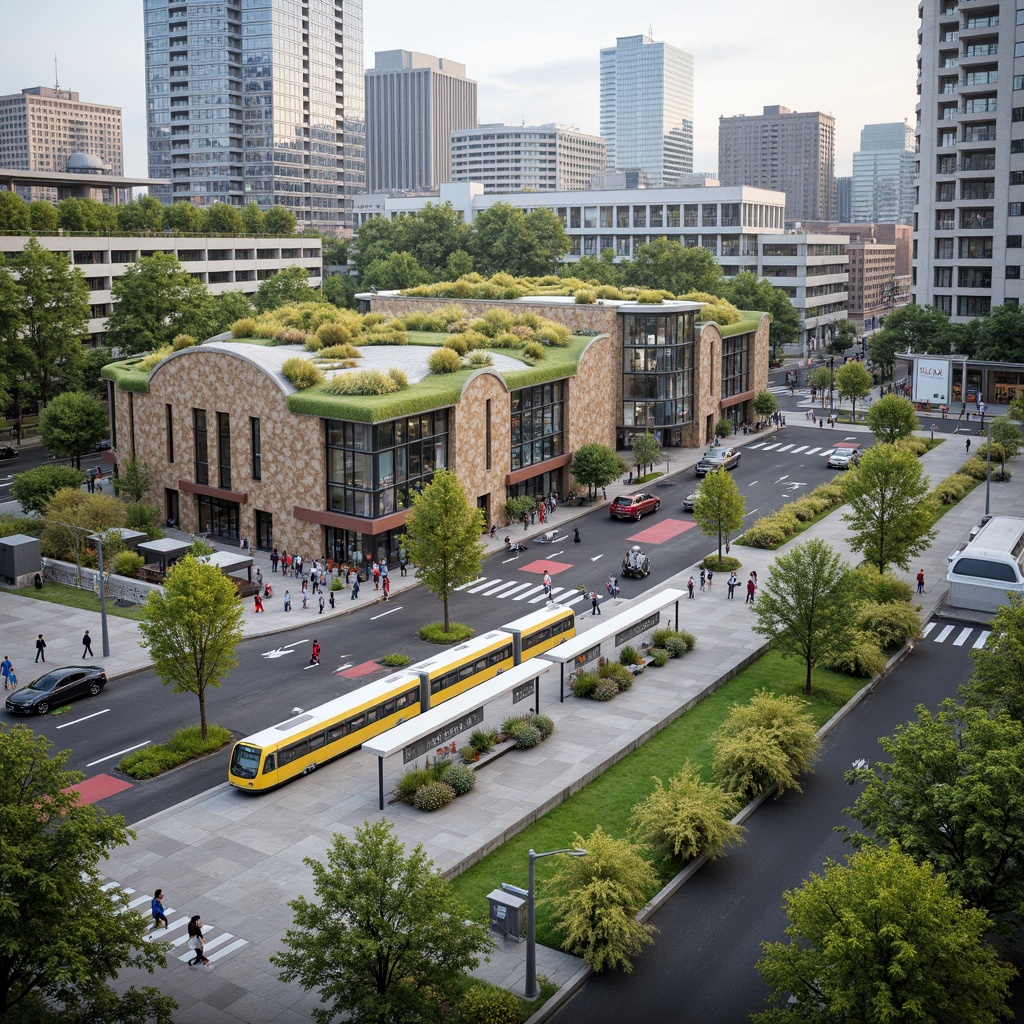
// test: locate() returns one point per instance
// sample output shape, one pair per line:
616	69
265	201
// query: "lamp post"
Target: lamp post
98	538
988	467
831	381
532	988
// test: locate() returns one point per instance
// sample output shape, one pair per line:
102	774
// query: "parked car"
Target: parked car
636	564
634	506
7	452
103	446
718	458
844	456
690	500
56	688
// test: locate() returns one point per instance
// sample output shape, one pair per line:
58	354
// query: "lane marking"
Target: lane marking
980	642
390	611
480	586
597	558
529	593
929	628
479	579
495	589
120	753
945	632
85	719
962	638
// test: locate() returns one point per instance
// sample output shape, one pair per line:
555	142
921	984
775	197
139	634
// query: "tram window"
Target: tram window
357	722
337	732
317	741
389	707
372	714
402	701
268	764
293	751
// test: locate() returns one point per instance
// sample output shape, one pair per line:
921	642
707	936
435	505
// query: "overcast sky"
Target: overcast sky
537	62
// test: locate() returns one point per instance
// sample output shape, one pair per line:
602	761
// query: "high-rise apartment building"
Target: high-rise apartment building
785	150
527	158
844	197
969	219
883	175
413	104
647	108
257	101
41	128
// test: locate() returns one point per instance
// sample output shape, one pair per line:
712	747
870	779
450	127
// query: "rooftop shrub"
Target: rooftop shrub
303	373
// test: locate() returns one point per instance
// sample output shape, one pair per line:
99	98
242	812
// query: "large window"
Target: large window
735	366
257	448
372	470
537	424
202	446
224	449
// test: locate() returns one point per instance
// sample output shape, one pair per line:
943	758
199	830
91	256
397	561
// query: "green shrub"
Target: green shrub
861	657
433	796
545	724
457	344
689	818
400	377
302	372
244	328
555	335
313	344
128	563
525	734
345	351
892	625
608	291
474	339
342	333
337	584
660	635
605	689
147	363
658	657
975	468
433	632
629	655
480	359
363	382
675	645
506	339
804	510
495	322
915	445
514	508
688	638
618	674
411	781
765	533
584	684
487	1004
483	740
885	588
766	742
585	297
290	336
832	494
444	360
954	488
183	341
185	745
460	777
533	350
392	660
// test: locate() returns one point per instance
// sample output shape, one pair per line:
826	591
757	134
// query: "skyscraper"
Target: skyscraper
647	108
969	219
883	175
413	104
257	100
785	150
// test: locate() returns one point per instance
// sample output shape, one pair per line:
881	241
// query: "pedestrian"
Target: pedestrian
751	587
157	908
305	598
711	576
287	601
244	545
402	561
297	562
287	559
376	576
268	590
689	587
540	514
314	655
355	587
257	603
87	644
821	421
703	579
547	586
920	582
732	584
305	586
6	668
321	599
41	643
195	941
330	598
274	558
594	598
383	571
387	588
968	446
576	535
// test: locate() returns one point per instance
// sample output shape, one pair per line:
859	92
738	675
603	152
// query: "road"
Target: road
32	455
701	968
273	676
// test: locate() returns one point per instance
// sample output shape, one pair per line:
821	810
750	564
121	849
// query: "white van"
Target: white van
989	568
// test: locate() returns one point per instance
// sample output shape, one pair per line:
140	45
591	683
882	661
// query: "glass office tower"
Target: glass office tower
257	101
647	108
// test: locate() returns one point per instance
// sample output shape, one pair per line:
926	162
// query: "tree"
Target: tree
142	216
882	348
72	424
1006	435
397	271
185	218
673	267
64	936
882	938
192	629
1000	335
892	418
746	292
997	683
156	301
597	269
44	217
252	217
223	219
646	451
92	365
719	508
55	306
596	900
384	940
88	216
845	337
340	290
922	329
806	604
134	480
596	465
35	487
951	793
853	381
14	214
443	535
506	239
223	310
279	222
286	287
891	514
72	516
820	378
765	404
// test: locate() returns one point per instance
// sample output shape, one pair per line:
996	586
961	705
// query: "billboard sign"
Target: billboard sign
932	379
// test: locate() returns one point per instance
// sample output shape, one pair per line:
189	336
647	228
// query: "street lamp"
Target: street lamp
831	381
988	467
532	988
98	538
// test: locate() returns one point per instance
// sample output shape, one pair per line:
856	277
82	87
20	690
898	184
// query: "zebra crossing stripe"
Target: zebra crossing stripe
521	586
529	593
757	444
980	642
482	585
945	633
494	587
785	448
769	447
811	451
471	583
928	628
962	638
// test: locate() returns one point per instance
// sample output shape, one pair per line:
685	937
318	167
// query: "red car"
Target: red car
633	506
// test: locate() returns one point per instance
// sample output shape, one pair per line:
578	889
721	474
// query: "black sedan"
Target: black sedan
55	689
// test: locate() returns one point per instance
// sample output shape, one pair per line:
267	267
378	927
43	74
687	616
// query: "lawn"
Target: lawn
72	597
609	799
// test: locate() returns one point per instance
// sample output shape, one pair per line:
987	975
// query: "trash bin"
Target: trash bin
507	914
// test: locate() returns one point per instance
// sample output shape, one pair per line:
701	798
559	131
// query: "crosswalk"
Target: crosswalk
794	449
529	593
940	633
218	943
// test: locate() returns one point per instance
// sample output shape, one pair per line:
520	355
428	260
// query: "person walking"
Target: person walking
314	655
287	600
968	446
576	535
594	598
547	585
257	603
41	648
355	586
689	587
330	598
274	558
376	576
732	583
751	587
196	941
87	644
920	581
703	579
386	587
305	598
711	576
402	563
6	668
157	908
321	600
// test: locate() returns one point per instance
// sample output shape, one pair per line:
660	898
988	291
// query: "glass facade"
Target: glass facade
735	366
538	424
249	100
657	375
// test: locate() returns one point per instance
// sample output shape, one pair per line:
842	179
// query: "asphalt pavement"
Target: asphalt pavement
238	859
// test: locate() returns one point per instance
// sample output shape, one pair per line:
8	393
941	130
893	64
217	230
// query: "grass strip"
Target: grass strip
72	597
185	745
609	800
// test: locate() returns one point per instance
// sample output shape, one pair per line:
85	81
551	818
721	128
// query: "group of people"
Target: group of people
707	578
196	942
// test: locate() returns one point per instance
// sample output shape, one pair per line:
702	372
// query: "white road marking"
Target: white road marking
784	448
962	638
980	642
479	579
758	444
929	628
769	447
596	557
341	668
779	481
495	588
945	632
518	587
390	611
573	600
85	719
120	753
480	586
280	652
797	451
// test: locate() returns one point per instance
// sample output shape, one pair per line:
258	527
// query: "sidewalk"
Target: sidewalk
238	860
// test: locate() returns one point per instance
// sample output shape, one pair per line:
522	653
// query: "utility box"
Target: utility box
19	559
507	915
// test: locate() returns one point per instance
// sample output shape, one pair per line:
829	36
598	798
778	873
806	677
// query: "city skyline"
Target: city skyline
545	67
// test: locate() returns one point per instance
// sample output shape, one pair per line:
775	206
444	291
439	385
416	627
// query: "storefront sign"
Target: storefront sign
443	735
524	691
641	627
